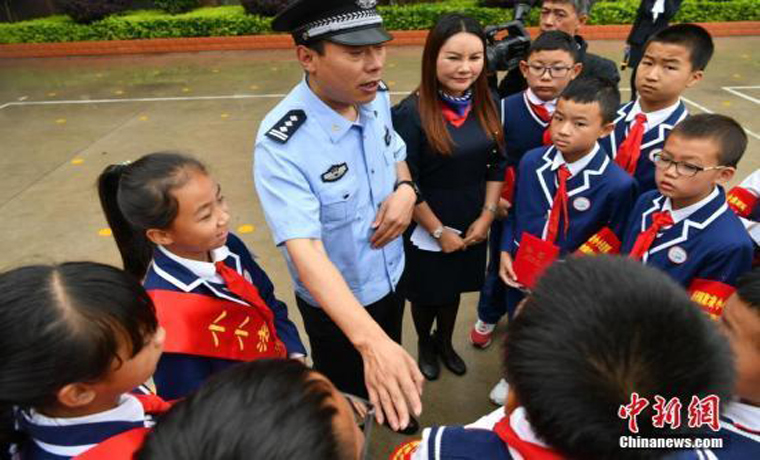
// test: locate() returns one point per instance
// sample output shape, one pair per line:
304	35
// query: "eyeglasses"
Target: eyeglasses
682	168
364	416
554	71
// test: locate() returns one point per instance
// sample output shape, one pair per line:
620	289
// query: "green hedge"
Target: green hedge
232	20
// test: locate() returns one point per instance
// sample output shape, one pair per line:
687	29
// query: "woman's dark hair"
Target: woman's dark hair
63	324
138	196
594	331
265	409
483	104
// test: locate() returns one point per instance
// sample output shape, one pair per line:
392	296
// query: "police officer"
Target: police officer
330	174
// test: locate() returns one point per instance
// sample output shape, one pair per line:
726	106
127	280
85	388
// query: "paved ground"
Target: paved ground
63	120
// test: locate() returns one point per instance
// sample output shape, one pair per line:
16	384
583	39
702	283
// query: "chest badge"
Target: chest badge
388	137
335	172
581	204
677	255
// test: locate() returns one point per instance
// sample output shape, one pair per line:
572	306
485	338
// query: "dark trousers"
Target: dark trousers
495	299
332	352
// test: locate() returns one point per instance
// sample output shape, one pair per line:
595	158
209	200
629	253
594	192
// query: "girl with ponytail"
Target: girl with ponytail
218	306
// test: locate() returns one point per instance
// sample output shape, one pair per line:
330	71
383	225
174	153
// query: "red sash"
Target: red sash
125	445
528	450
215	328
741	200
710	295
602	242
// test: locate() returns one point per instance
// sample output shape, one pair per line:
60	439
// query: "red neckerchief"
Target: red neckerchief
452	117
527	449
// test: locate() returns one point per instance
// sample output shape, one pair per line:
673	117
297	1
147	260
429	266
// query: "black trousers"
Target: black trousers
332	352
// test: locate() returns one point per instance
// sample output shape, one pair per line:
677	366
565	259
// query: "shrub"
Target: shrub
267	8
176	6
88	11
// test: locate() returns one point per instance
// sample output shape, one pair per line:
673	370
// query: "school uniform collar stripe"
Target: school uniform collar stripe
620	128
660	132
707	214
595	167
623	111
531	112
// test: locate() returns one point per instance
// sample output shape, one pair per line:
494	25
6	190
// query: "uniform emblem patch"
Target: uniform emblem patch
677	255
652	153
289	124
335	172
581	204
388	137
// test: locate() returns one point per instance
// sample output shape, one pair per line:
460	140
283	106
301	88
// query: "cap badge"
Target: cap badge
366	4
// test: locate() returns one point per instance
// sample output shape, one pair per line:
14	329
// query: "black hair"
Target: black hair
597	329
138	196
587	90
748	289
555	40
265	409
63	324
317	46
696	39
724	130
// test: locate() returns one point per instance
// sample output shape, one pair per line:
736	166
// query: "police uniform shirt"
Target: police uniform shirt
706	242
179	374
600	194
53	438
320	176
659	124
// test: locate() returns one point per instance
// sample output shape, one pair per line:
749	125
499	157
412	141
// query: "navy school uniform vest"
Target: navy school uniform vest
523	129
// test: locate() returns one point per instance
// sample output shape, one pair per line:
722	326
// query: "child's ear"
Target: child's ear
576	70
725	175
695	78
607	129
75	395
158	236
524	69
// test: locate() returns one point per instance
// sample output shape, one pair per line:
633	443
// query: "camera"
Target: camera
504	54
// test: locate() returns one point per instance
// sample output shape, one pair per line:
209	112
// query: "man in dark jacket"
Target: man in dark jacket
651	17
567	16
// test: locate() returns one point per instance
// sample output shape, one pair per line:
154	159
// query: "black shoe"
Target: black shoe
427	359
411	428
450	358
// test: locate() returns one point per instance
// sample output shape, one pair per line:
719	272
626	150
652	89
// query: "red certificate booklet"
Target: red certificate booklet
533	257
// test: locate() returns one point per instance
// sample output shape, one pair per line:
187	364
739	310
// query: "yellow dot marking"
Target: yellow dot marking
118	92
144	118
215	70
225	115
737	76
52	94
246	228
77	161
392	64
254	87
727	103
391	83
105	232
60	121
185	90
273	69
745	56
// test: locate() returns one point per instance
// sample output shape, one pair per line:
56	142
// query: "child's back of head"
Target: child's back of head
265	409
595	331
63	329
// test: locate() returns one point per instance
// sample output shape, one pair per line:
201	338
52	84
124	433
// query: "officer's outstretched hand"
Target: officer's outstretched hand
393	380
394	216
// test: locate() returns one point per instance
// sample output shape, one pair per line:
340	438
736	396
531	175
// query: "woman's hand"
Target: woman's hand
478	231
451	241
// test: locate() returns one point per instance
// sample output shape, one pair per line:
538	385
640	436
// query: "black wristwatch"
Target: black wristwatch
414	187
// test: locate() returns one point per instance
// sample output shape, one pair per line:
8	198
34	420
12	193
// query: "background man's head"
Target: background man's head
565	15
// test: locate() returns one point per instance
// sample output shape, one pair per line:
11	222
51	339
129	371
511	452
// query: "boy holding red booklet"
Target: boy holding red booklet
569	197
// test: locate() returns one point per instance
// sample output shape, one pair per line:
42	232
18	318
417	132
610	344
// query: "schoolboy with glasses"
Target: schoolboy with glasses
685	227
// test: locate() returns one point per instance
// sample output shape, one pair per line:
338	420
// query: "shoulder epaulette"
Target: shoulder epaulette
382	86
289	124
